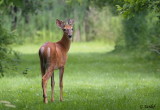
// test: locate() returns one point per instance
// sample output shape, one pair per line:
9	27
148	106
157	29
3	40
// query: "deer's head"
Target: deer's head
67	27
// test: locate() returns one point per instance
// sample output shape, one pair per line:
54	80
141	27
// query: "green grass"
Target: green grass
94	79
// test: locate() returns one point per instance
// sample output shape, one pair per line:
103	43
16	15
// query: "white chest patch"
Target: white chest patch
48	52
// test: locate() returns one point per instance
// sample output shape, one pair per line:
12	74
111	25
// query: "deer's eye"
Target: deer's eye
64	29
72	29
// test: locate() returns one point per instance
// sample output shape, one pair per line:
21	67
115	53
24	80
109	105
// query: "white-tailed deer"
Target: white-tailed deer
54	56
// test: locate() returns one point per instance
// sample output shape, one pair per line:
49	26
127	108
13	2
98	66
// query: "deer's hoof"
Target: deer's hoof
45	101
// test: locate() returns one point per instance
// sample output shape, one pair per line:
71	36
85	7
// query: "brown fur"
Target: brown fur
54	56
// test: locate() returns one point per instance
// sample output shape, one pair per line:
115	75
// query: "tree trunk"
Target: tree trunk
14	21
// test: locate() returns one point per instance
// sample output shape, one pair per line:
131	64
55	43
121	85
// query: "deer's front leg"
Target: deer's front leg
61	71
52	87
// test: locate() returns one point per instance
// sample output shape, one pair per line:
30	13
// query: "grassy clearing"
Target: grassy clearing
93	80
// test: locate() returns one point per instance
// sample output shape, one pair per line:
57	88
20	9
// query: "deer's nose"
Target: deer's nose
69	36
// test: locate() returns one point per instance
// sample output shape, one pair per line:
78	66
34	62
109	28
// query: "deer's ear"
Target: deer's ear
60	23
70	21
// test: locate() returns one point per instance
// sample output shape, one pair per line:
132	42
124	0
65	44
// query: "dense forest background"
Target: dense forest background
130	25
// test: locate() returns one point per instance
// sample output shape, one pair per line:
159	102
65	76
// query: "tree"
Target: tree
6	37
139	32
131	10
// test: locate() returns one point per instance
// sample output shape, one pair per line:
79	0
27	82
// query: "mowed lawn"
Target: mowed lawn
94	79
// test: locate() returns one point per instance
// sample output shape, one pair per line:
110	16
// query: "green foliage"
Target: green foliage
103	25
34	21
140	25
135	32
141	34
129	8
153	31
6	38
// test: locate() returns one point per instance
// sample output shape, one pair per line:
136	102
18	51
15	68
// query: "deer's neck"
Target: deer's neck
65	42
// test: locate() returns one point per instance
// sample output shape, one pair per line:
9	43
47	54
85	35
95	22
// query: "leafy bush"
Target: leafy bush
6	39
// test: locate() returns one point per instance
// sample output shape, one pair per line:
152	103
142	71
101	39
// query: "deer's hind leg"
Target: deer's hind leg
45	78
42	64
42	69
52	87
